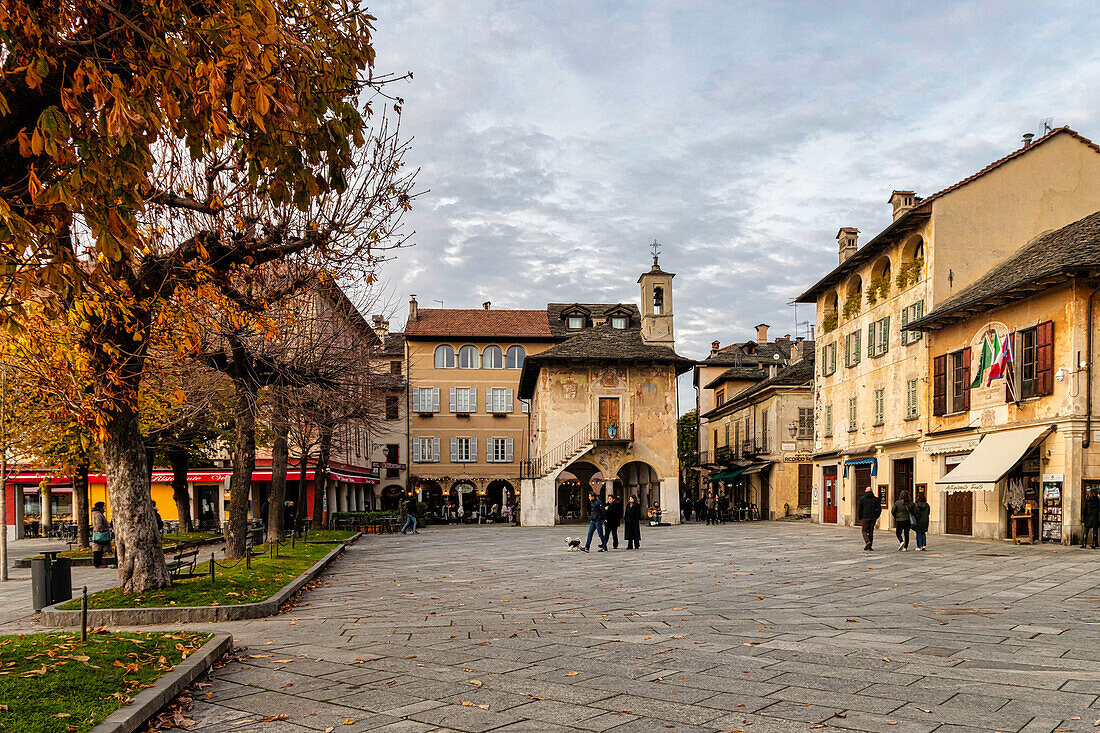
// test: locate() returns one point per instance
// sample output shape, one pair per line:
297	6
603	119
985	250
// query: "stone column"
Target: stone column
670	499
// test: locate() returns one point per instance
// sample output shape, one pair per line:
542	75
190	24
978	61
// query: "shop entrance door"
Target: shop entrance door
805	483
863	480
828	475
903	477
960	512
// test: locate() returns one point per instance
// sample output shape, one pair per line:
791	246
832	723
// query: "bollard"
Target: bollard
84	614
248	558
211	567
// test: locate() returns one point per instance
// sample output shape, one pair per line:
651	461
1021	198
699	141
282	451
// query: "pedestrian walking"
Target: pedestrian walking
632	517
160	522
288	516
595	522
613	517
902	510
410	516
1090	512
712	508
101	534
921	512
868	513
700	509
508	512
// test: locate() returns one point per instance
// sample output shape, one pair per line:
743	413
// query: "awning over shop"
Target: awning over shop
726	475
756	468
872	462
992	459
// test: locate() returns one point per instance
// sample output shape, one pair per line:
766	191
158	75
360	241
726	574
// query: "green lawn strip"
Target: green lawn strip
231	586
168	541
53	683
328	535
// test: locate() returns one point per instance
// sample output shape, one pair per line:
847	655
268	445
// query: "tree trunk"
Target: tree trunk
45	510
320	476
80	503
280	427
180	460
141	565
303	493
244	461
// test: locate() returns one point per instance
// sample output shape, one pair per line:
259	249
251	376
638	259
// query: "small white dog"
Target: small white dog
573	544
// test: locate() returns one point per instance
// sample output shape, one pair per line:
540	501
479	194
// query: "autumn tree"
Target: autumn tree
127	131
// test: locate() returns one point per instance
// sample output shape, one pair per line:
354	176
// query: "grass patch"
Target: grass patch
52	683
231	587
329	535
168	541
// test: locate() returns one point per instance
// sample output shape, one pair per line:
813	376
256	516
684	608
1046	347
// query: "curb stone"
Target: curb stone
55	617
149	701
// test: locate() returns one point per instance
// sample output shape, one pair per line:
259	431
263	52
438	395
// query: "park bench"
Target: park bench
183	559
254	539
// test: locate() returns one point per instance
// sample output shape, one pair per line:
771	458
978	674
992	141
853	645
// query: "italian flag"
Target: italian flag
1002	361
985	361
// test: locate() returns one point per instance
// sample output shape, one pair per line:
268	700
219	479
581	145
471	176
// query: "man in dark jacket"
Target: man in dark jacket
867	513
1090	513
595	522
613	516
410	516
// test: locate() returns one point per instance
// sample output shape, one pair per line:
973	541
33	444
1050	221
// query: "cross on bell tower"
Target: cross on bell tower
657	302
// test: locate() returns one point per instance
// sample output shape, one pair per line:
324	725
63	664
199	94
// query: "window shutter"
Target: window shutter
904	323
490	454
1044	358
858	351
832	358
824	364
508	450
435	450
473	400
508	395
435	399
416	450
939	385
454	449
416	399
525	405
489	406
966	378
848	350
885	334
454	399
473	449
871	328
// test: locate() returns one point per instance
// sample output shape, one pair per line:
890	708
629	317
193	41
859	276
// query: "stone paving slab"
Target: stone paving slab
753	627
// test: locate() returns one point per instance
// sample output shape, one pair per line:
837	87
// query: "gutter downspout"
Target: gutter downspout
1088	372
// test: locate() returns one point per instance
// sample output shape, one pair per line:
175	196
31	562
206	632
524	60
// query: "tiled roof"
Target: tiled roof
478	323
741	373
749	352
395	345
922	210
799	374
1072	250
554	313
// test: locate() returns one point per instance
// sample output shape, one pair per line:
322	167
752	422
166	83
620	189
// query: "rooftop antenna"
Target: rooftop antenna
1048	124
438	301
656	247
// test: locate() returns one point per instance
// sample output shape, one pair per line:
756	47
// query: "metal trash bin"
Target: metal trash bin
51	580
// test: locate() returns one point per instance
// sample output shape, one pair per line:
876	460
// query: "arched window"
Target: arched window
467	357
658	301
444	357
492	358
515	357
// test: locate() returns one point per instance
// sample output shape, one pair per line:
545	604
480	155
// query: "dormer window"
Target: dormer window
575	322
618	322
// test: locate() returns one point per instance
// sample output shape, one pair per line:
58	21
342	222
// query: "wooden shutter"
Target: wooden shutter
454	449
490	454
473	449
858	352
435	450
473	399
489	406
416	450
454	399
416	399
871	328
848	350
904	323
832	358
824	363
966	378
509	395
885	334
508	454
939	385
1044	358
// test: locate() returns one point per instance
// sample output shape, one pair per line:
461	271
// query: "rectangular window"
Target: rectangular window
391	407
463	400
851	414
425	399
880	406
853	350
908	315
498	450
425	450
911	410
805	423
525	405
720	396
828	421
395	367
393	455
498	400
956	382
1035	349
618	322
576	321
764	431
463	450
878	337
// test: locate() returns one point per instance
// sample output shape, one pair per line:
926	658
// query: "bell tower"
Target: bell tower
657	303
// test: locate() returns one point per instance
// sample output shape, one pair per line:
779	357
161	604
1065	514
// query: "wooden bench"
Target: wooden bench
254	539
183	559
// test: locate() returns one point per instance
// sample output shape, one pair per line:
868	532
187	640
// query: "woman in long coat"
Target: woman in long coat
632	516
101	535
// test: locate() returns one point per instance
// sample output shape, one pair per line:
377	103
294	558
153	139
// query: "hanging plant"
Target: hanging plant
851	306
880	286
829	322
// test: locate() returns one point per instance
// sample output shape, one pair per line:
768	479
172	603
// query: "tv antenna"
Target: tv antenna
440	303
1048	124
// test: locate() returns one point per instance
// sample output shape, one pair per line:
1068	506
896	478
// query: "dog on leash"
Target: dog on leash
573	544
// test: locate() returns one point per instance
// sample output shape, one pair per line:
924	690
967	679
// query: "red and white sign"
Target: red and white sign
381	464
351	478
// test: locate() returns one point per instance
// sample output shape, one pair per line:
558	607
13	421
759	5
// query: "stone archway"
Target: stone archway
571	491
641	480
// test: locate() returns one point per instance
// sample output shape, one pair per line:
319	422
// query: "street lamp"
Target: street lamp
793	428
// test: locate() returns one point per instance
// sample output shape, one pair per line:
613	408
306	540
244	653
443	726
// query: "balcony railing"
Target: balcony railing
751	448
722	454
615	434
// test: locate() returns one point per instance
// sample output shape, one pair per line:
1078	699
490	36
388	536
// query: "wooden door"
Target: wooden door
829	480
609	416
960	512
805	483
863	480
903	477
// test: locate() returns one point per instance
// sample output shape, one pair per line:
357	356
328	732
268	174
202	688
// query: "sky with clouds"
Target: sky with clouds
558	139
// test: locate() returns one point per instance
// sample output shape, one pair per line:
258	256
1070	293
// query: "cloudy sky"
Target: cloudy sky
559	139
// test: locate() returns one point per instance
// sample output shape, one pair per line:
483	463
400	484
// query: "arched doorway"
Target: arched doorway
431	493
391	498
639	479
499	494
573	485
464	496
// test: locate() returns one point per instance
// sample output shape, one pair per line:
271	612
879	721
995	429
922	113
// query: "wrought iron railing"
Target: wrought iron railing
722	453
547	462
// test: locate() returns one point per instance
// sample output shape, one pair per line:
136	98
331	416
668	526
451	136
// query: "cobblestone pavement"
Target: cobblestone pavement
758	627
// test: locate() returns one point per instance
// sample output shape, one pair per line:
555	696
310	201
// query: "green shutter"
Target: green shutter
885	334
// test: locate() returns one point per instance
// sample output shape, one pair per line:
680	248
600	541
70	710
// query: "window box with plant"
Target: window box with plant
909	273
852	306
830	321
879	290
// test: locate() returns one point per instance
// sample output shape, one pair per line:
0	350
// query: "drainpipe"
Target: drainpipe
1088	372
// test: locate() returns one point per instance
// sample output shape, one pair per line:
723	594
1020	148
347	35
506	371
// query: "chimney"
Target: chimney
762	333
773	369
1028	136
715	346
902	201
846	238
414	311
486	305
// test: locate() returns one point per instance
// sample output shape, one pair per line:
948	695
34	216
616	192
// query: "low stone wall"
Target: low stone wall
149	701
53	616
